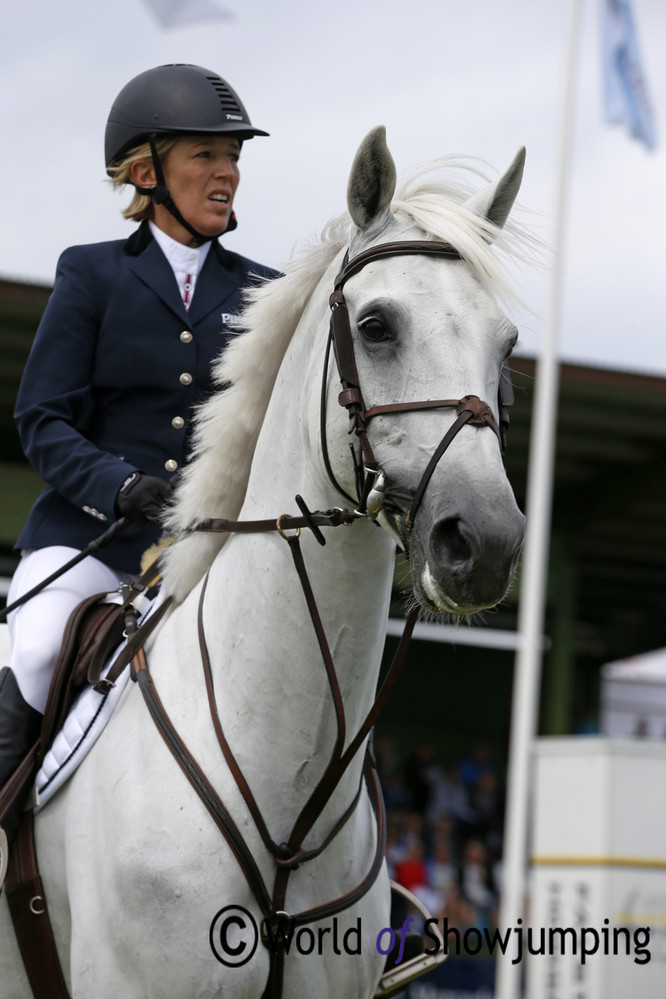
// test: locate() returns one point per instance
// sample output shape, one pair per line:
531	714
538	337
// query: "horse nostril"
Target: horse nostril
449	539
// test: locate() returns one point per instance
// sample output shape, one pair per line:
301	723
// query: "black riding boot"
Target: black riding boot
19	729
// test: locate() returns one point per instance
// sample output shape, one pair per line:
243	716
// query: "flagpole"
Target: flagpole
527	670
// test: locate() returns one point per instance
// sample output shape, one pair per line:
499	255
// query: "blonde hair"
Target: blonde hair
141	205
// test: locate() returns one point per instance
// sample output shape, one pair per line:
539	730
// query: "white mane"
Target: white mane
228	424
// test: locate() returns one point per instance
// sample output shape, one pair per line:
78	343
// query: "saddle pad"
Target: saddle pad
83	726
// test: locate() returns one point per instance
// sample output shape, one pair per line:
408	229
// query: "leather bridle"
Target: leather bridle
469	409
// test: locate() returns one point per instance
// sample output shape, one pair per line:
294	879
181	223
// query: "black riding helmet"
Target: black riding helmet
172	99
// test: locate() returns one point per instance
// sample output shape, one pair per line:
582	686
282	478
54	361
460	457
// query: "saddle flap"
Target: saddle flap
93	630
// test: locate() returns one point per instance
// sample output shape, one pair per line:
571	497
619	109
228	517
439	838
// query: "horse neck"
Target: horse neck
265	652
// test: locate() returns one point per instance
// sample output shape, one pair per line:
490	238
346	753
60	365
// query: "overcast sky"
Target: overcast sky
481	78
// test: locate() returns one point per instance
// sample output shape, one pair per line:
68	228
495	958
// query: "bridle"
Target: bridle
469	409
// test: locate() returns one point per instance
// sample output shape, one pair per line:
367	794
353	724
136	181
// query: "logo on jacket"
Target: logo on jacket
229	318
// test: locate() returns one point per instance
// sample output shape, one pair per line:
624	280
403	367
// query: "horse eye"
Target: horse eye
373	329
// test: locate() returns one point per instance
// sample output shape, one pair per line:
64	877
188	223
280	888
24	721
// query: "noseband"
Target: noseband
470	409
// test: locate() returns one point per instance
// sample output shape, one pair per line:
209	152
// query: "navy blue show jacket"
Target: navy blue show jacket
115	370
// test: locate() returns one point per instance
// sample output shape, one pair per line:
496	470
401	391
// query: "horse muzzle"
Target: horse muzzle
461	564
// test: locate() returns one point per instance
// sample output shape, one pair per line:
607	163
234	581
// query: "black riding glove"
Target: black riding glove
142	498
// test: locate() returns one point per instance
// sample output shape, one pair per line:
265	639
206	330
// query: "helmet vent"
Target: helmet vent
227	99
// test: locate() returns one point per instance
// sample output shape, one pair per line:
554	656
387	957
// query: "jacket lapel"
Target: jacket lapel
151	266
215	284
218	280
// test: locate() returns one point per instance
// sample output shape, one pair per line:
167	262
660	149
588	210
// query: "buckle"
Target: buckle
277	930
282	530
103	686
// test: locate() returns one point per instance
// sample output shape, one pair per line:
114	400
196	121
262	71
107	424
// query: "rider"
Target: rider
121	357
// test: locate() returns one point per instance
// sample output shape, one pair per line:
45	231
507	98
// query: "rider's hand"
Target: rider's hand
142	498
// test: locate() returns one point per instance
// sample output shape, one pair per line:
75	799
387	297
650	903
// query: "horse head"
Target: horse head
425	326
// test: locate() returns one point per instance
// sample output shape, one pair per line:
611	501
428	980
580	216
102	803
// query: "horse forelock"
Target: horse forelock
432	197
227	426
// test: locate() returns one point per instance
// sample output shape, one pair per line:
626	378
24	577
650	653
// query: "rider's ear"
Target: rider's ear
372	181
496	201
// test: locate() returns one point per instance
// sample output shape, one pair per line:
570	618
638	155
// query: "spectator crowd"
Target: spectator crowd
444	838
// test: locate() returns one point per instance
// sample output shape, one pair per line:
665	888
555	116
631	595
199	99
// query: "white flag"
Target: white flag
626	98
178	13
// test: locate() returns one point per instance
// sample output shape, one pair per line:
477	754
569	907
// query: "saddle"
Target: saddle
96	627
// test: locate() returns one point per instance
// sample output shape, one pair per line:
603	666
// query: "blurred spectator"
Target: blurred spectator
388	760
458	911
413	829
442	870
486	807
475	881
396	795
395	850
443	828
448	797
474	766
410	870
417	777
444	837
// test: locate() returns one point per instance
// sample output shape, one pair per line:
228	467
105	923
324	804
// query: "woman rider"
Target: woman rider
121	357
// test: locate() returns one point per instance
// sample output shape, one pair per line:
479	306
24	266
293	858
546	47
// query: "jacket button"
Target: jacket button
171	465
185	378
178	423
186	336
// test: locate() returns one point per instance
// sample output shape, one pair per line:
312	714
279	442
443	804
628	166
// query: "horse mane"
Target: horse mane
227	425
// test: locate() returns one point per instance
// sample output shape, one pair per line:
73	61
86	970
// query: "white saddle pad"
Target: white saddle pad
83	726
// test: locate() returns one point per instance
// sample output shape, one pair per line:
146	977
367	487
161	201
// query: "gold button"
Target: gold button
186	336
171	465
185	378
178	423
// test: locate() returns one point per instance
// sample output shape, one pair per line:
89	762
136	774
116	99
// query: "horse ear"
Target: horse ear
496	201
372	180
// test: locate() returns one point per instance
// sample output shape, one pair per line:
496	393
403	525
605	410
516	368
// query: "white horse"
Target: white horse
141	886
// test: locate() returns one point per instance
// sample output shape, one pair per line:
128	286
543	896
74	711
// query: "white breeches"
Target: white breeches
36	628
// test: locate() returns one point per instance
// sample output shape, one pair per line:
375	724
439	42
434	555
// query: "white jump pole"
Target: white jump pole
527	668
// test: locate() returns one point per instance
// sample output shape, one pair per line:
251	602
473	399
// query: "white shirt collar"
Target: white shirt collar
186	261
188	258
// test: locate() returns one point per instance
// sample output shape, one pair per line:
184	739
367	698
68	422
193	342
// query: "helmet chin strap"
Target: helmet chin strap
161	196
